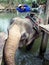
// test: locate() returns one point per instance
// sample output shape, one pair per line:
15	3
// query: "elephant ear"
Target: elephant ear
3	36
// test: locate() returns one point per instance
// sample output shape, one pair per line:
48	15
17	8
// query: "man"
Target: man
34	4
23	10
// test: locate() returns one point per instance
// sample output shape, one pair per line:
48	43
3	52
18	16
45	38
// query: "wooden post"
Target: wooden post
43	46
47	11
44	40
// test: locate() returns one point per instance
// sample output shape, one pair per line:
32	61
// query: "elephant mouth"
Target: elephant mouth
23	40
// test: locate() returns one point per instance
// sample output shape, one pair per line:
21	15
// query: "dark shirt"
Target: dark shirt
34	5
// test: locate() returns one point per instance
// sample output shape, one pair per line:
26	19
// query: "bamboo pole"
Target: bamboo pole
44	40
43	46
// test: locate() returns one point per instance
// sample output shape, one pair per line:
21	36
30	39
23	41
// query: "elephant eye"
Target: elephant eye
23	36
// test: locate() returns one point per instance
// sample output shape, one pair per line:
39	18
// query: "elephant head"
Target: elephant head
19	30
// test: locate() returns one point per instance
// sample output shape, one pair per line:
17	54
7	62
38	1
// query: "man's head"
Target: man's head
21	6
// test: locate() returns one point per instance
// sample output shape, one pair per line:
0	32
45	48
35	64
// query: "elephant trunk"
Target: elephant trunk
11	45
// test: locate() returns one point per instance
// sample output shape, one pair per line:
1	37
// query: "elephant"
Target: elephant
20	33
3	37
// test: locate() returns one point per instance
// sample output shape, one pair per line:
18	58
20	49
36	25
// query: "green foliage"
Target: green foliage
41	1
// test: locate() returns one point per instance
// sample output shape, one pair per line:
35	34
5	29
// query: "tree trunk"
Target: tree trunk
47	11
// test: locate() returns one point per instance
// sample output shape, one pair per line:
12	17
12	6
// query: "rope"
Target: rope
33	21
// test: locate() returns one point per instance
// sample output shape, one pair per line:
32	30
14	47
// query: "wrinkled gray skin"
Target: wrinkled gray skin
26	29
11	45
20	29
3	37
